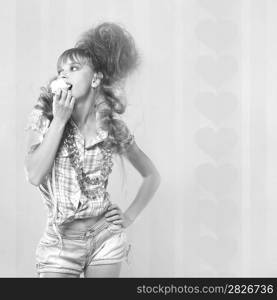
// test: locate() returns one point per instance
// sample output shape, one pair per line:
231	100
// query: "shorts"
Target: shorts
103	243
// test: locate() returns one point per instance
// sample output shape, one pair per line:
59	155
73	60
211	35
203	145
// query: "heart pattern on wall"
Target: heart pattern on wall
216	143
216	71
219	220
216	107
219	180
217	35
228	217
219	8
217	251
218	217
207	213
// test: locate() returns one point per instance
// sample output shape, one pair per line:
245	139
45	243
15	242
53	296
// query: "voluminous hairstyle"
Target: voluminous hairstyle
108	48
112	50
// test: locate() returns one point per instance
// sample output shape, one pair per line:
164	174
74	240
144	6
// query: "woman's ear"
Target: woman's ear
95	83
96	79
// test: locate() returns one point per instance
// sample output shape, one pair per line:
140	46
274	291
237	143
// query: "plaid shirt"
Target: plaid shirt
60	189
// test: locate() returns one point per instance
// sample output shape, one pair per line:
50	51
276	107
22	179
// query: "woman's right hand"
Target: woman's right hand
63	104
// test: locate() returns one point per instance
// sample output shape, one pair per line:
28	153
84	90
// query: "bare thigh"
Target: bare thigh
57	275
102	271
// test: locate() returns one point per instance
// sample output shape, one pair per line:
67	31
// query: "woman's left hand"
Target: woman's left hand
115	215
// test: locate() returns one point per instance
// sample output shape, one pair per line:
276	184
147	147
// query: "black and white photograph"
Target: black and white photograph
139	139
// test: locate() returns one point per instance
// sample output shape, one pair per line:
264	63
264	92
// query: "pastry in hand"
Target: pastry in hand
59	84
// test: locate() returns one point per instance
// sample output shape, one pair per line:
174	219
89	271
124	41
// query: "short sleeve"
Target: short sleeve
37	121
40	124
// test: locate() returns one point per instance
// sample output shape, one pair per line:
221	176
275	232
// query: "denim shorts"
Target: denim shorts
103	243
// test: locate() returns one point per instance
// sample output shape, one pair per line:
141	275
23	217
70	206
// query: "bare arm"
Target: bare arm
150	183
38	162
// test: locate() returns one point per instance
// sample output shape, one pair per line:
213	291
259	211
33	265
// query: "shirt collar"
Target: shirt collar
101	134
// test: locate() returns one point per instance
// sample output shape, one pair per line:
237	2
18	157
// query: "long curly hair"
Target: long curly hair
108	48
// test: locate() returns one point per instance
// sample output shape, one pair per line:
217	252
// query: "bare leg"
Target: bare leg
105	270
57	275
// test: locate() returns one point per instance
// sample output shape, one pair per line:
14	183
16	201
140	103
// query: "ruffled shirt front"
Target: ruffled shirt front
60	189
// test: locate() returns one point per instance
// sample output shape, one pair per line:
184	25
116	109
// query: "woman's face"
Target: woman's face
79	75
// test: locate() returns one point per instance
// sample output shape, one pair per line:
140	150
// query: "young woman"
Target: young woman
72	137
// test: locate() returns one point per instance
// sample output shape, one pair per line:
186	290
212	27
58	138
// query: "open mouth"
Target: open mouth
69	86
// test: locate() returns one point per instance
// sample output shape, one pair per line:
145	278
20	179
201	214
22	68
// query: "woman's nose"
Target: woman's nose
63	74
